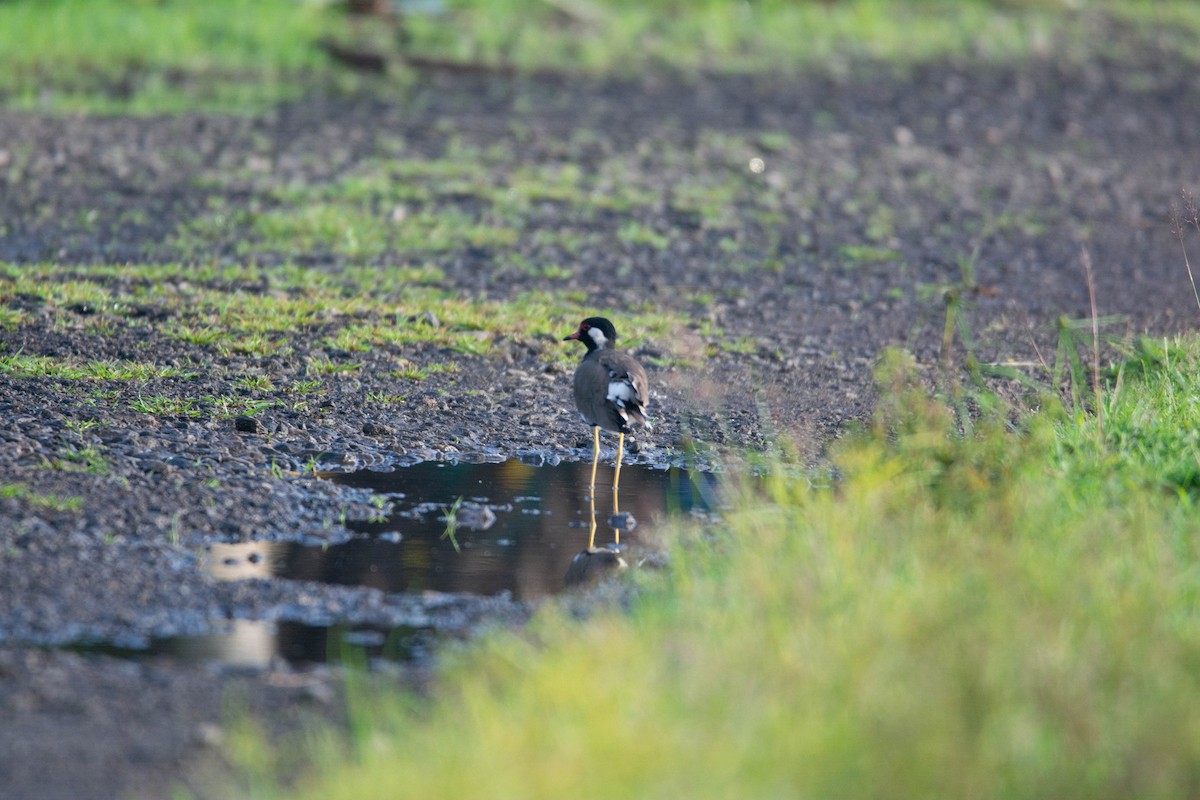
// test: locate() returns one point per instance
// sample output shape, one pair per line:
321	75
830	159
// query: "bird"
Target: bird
611	391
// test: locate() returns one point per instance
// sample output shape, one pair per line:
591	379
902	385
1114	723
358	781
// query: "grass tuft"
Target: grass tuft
118	56
1009	613
37	499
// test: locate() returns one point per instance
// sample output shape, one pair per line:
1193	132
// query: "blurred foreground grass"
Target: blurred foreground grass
151	56
1012	613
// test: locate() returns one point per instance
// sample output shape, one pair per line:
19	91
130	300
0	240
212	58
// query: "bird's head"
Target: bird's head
595	332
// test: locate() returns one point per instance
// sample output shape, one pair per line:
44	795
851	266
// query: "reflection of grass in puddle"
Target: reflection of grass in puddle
451	519
262	644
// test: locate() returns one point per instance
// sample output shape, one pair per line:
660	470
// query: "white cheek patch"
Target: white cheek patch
620	392
598	337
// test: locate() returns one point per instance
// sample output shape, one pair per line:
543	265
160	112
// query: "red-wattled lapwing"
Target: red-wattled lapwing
610	389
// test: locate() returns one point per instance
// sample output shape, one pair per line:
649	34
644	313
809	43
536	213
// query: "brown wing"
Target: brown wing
614	390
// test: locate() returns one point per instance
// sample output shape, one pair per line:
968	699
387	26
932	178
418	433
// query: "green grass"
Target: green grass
857	255
356	231
410	210
83	459
27	366
1014	613
409	371
38	499
356	309
165	405
730	36
1150	435
144	56
220	406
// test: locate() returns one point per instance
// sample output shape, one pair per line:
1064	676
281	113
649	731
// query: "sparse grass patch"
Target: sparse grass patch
255	383
322	365
227	406
351	231
860	254
163	406
81	426
218	406
740	344
39	500
195	334
354	338
386	398
260	312
11	318
62	291
636	233
255	344
305	387
95	396
410	371
85	459
19	365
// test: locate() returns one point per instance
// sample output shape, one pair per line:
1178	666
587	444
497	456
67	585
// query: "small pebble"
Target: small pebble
623	521
209	734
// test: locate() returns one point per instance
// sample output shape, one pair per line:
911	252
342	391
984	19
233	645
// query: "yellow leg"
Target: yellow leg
592	533
617	484
595	456
616	515
620	451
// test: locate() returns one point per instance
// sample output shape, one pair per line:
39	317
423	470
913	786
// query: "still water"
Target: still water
517	528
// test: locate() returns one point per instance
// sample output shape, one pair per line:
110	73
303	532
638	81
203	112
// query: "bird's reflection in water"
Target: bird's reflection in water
518	526
594	563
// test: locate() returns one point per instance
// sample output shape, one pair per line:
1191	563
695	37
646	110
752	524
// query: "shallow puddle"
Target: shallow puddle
517	528
480	528
257	644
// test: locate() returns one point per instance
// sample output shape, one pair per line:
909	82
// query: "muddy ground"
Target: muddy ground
1019	165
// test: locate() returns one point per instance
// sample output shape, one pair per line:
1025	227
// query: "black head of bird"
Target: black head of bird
596	333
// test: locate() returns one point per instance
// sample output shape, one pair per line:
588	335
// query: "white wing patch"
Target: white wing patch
621	392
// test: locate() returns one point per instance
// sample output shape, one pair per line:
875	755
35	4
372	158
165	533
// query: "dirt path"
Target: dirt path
869	193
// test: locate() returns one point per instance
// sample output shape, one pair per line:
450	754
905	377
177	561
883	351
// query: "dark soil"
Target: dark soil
1019	165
